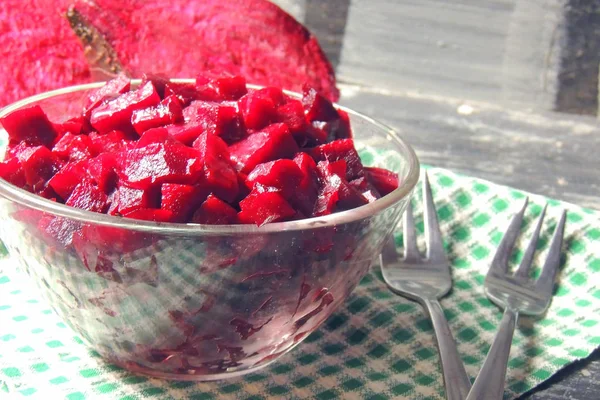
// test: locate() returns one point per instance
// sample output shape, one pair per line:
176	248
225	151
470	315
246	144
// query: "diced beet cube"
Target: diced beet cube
73	147
283	175
149	214
229	88
29	124
335	192
270	144
154	135
113	239
186	133
344	129
317	107
169	111
12	172
366	188
125	200
168	162
221	119
292	114
276	95
185	92
264	207
87	196
220	177
111	89
102	170
383	180
342	149
74	126
258	110
65	180
57	231
39	165
215	211
336	167
306	194
116	114
108	142
181	199
159	81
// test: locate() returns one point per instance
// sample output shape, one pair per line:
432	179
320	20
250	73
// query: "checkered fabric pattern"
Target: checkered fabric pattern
376	346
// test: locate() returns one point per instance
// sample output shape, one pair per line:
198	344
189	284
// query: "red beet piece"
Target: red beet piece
102	170
292	114
270	144
110	90
75	125
185	92
65	180
229	88
149	214
181	199
258	109
169	111
125	200
282	175
159	81
335	193
186	133
317	107
306	193
342	149
29	124
73	147
39	165
221	119
215	211
108	142
263	208
220	176
154	135
116	114
87	196
383	180
12	172
366	188
168	162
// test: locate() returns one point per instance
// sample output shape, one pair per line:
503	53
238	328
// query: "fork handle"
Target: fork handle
456	380
489	384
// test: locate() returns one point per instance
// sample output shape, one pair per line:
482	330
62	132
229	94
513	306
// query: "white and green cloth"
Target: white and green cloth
376	346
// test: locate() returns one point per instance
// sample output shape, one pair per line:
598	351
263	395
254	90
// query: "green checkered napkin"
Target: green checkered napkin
377	346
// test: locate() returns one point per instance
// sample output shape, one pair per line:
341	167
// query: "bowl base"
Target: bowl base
151	373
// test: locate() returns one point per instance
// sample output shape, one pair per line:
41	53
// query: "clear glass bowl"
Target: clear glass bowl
196	302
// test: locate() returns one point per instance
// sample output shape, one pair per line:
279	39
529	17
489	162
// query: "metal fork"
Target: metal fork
516	294
425	280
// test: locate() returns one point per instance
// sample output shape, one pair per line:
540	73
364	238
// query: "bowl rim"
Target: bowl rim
25	198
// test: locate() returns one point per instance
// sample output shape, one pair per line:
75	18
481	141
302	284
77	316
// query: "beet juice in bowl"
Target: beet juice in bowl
196	229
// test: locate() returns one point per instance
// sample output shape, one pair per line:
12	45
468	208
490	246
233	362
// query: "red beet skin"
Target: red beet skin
212	153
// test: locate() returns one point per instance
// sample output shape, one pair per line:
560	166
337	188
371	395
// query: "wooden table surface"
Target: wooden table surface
505	90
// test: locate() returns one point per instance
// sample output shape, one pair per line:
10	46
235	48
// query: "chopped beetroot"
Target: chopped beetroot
110	90
383	180
229	88
292	114
221	119
264	207
12	172
220	176
185	92
336	193
215	211
72	147
275	94
181	200
282	175
73	125
270	144
186	133
149	214
39	165
160	163
154	135
102	170
116	114
125	200
159	81
344	129
65	180
317	107
306	194
108	142
30	125
87	196
366	188
258	110
341	149
169	111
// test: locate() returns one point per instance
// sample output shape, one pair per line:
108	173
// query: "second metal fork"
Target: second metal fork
425	280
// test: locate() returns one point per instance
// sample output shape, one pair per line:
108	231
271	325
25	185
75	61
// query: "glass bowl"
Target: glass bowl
198	302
